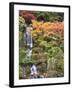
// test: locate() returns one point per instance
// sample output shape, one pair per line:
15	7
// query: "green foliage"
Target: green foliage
60	67
21	23
54	51
49	16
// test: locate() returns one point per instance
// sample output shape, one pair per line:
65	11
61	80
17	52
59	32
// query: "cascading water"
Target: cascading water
28	42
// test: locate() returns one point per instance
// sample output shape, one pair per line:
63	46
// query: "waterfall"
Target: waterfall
28	42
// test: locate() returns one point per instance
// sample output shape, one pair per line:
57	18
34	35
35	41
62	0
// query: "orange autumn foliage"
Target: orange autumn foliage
57	27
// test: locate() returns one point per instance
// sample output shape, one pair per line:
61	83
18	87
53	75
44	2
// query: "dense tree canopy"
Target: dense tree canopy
48	42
